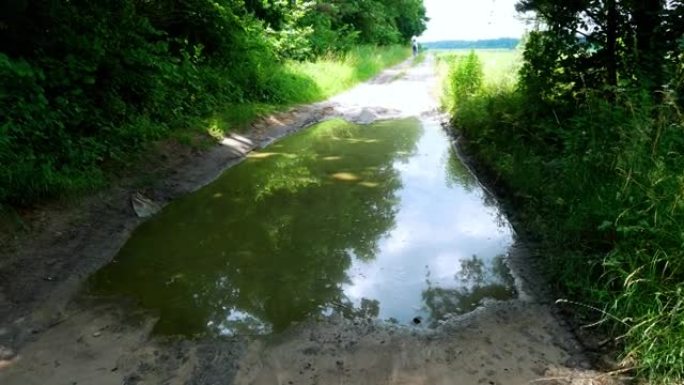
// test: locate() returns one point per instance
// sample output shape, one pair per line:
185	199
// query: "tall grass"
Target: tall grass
312	81
498	70
335	73
602	186
199	99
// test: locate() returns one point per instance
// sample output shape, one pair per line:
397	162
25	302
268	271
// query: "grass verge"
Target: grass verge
309	82
600	183
192	100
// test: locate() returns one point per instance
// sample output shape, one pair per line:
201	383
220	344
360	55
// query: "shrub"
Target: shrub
602	186
465	78
87	83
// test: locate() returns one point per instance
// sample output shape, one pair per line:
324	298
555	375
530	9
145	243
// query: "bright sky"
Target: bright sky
472	20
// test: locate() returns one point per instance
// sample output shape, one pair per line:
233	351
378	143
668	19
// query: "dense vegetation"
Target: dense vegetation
502	43
84	84
590	147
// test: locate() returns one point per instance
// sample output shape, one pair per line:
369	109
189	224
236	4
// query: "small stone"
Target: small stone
6	353
97	334
144	206
366	117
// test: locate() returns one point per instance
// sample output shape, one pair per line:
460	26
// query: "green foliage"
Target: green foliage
86	84
599	180
463	73
336	72
589	148
465	78
310	81
595	43
305	29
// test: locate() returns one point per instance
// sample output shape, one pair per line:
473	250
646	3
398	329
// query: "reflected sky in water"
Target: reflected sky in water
376	221
441	222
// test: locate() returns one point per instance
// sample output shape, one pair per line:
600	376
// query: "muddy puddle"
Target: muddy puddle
341	254
378	221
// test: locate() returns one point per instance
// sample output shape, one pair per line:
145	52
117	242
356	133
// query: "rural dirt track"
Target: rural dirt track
47	338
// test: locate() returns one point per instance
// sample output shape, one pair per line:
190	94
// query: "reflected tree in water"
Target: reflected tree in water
268	243
477	280
457	174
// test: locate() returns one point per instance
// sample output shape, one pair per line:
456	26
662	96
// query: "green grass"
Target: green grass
55	152
308	82
334	74
499	67
600	183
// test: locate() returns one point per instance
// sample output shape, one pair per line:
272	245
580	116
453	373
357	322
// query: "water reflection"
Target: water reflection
476	281
336	218
269	242
457	175
441	223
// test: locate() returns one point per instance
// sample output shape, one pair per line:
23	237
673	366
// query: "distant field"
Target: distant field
500	65
502	43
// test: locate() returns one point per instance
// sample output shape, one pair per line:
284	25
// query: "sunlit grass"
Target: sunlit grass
309	82
330	75
240	116
601	188
500	68
337	73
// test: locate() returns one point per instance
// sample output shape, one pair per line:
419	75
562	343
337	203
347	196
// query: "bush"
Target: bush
86	83
602	186
465	78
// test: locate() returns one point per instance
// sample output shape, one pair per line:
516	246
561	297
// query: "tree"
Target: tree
608	42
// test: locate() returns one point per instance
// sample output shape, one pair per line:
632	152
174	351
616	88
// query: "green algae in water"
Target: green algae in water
359	219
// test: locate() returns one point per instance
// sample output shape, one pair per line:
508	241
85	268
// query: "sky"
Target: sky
472	20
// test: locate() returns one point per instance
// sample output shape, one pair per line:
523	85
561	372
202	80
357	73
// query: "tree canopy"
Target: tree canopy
597	42
84	82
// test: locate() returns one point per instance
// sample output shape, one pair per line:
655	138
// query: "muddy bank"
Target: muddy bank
504	343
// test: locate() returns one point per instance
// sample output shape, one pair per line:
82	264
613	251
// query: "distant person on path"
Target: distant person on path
414	43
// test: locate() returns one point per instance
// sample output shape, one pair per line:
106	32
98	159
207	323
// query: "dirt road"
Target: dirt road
46	337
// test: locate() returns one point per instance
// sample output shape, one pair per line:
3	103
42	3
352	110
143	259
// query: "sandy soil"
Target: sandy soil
48	338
